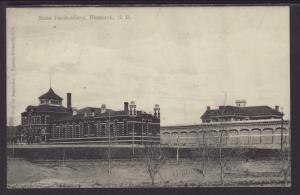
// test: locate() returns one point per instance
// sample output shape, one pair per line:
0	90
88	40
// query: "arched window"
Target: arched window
255	137
233	137
267	136
223	137
174	136
277	135
165	138
212	137
193	137
183	137
244	136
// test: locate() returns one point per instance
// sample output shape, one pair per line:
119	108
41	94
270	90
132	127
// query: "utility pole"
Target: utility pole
281	137
133	138
109	171
177	151
142	130
13	148
203	152
64	154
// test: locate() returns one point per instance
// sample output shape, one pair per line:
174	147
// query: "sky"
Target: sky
182	58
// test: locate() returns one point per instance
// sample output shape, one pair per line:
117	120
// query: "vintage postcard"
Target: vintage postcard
119	97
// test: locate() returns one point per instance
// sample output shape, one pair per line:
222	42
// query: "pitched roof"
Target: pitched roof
88	110
97	110
47	108
50	95
261	110
108	112
242	111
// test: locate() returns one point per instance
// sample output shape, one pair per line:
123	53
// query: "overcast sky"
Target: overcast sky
184	59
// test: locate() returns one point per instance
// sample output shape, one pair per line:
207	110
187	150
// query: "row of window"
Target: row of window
97	129
35	129
35	120
46	101
226	139
223	119
232	119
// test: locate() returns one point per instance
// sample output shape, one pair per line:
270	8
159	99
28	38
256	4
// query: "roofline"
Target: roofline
226	123
96	117
60	98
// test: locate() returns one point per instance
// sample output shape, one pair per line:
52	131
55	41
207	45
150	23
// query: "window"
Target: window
72	132
53	131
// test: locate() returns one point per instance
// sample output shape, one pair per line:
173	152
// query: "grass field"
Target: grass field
23	173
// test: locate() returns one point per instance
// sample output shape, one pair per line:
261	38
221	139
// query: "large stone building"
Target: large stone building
259	126
51	121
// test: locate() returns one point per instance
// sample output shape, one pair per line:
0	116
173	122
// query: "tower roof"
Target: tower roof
50	95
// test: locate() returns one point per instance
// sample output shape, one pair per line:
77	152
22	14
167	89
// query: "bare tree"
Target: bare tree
284	152
284	155
108	126
154	159
221	158
221	153
243	154
202	152
177	150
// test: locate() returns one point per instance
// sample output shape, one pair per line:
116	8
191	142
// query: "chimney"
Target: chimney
93	112
69	101
221	107
74	111
277	108
241	103
156	111
126	111
103	108
208	108
132	107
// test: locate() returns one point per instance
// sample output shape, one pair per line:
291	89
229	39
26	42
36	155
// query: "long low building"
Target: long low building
232	126
234	133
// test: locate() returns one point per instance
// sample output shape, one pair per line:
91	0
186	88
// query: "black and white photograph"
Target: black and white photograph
148	97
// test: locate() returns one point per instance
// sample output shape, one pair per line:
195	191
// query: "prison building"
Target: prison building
240	112
255	126
51	121
91	122
36	120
